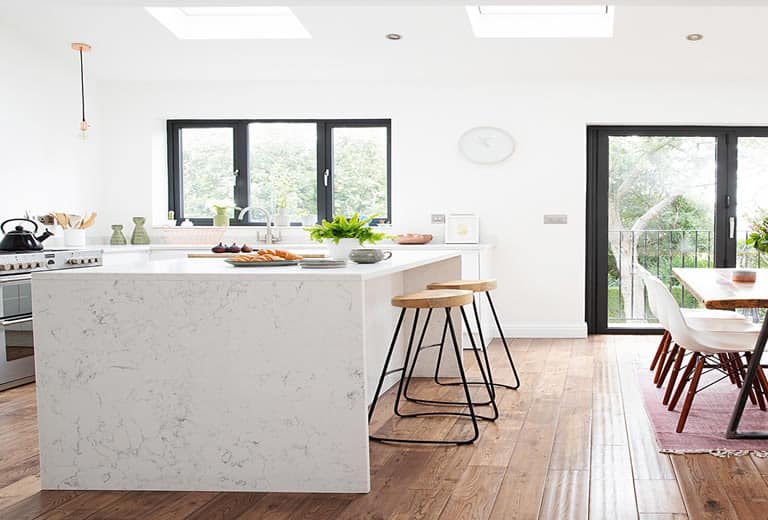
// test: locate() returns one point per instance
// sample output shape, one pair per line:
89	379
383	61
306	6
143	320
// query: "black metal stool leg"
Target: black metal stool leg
405	362
468	403
506	347
440	353
485	355
491	393
416	356
483	346
384	372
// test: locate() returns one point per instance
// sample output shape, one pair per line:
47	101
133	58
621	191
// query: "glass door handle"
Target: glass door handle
326	174
732	227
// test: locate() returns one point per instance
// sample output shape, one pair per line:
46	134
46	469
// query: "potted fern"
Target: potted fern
343	234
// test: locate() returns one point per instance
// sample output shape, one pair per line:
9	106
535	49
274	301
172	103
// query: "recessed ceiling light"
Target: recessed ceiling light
230	23
541	21
394	36
694	37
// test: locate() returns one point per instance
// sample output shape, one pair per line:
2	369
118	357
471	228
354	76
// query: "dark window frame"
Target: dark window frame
726	203
240	161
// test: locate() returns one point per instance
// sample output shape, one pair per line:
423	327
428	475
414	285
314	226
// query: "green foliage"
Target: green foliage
645	170
758	237
341	227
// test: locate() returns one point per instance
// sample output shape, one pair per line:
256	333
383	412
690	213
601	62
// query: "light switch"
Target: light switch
438	218
555	219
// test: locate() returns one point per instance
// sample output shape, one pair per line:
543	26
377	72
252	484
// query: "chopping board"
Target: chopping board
230	255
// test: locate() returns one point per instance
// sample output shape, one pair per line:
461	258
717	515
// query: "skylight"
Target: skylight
541	21
230	23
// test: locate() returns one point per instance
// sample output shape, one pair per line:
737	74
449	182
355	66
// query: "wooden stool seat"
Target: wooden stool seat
466	285
438	299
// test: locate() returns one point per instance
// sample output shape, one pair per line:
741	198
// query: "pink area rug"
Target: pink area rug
705	430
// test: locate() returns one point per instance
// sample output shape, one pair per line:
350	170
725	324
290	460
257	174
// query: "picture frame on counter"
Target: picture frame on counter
462	228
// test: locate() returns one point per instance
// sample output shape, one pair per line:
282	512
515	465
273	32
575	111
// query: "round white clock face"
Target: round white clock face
486	145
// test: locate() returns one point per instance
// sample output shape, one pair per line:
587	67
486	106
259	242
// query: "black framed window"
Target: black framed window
300	171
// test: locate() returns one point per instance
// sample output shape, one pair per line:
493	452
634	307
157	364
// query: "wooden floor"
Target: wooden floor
574	442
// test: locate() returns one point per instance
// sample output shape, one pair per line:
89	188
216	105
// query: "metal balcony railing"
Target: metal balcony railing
659	251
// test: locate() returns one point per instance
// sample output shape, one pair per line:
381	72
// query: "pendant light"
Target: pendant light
81	48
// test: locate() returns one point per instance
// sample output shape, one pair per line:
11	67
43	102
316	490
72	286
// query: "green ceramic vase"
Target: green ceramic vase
139	236
118	238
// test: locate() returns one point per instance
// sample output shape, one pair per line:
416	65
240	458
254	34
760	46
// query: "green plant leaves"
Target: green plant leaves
342	227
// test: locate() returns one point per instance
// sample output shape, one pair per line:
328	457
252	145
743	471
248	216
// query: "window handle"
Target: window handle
325	177
732	226
236	173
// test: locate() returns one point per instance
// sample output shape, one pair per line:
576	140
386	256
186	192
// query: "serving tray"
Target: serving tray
261	264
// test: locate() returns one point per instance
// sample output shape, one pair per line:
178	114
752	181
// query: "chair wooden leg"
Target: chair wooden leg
763	381
667	365
673	376
684	380
726	364
758	386
736	368
664	342
662	360
741	373
762	378
691	394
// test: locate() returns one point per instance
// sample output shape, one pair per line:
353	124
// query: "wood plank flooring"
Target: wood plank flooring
572	443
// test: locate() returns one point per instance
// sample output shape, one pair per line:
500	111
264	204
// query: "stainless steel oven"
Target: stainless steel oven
17	362
17	344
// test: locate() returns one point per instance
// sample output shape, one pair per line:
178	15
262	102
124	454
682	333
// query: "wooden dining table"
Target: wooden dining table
715	289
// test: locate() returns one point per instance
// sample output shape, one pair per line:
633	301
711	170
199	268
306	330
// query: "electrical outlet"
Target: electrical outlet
555	219
438	218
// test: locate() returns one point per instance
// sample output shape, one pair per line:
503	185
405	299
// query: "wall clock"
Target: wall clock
486	145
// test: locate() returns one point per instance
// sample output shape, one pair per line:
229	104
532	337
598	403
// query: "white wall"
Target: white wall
44	164
540	268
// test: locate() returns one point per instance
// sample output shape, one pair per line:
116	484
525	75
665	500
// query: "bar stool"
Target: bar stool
430	299
478	286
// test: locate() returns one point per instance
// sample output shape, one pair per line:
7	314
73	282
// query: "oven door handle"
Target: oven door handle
16	321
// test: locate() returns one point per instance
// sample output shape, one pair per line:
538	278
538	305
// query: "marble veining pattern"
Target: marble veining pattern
201	385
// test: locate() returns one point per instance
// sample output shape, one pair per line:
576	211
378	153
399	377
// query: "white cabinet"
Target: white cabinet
476	265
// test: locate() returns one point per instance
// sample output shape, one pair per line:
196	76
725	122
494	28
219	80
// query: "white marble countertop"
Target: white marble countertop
214	268
293	246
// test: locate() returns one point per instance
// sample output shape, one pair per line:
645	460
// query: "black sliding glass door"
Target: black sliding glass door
660	198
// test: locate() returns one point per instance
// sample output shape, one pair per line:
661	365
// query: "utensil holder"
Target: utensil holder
74	237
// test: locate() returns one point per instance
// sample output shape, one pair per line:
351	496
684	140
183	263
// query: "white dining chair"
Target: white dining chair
703	344
704	319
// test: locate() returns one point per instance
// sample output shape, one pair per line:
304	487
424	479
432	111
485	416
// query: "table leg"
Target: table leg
754	366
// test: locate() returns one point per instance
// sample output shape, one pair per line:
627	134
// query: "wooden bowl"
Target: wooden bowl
413	238
743	275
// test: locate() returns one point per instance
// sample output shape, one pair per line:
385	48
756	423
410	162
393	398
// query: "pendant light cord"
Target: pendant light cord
82	84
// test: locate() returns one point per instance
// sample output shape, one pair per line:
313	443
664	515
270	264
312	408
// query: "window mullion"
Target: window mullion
323	164
242	184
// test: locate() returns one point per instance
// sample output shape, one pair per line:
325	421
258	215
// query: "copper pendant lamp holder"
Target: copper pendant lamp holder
81	48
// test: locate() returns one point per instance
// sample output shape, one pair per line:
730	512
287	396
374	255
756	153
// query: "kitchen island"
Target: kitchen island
195	375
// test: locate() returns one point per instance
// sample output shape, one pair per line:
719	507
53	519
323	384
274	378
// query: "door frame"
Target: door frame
596	294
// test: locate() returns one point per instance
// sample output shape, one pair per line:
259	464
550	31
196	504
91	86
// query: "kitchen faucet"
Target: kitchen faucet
268	239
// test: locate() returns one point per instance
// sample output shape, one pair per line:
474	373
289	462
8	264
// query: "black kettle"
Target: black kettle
20	239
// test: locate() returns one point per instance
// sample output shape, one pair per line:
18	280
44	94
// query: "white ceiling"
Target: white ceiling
348	44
